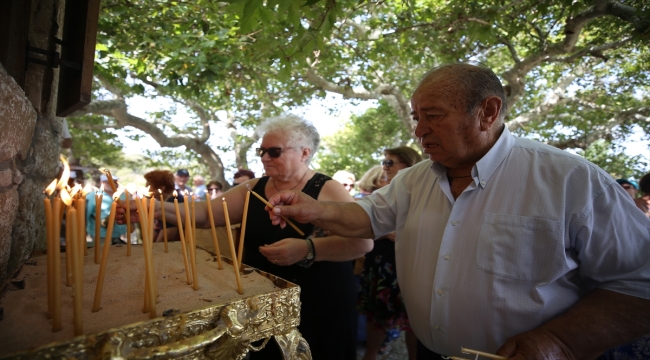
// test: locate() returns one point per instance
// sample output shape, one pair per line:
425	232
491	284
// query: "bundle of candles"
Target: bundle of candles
60	198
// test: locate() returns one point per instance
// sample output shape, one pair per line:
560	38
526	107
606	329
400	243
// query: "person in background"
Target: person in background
163	180
380	298
119	231
630	186
346	179
643	203
371	180
215	189
181	177
561	272
241	176
199	186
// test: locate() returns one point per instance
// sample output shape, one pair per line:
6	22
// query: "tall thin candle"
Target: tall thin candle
243	228
214	234
77	291
235	264
128	223
102	266
98	217
189	237
179	221
49	233
164	221
56	230
282	216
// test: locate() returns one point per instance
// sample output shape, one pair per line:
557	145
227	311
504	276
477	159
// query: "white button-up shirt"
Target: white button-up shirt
535	230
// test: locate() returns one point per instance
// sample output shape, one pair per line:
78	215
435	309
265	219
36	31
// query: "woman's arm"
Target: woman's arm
330	248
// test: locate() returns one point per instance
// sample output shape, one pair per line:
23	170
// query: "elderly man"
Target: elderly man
199	185
181	177
504	245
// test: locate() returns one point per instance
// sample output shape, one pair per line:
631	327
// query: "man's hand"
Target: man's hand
535	345
285	252
293	204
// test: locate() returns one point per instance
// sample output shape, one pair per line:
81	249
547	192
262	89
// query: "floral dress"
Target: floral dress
380	298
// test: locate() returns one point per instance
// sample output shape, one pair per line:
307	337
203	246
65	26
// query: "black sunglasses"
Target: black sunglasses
215	189
274	152
388	163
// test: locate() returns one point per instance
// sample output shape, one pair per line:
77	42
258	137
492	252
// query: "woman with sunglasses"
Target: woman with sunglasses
379	296
318	264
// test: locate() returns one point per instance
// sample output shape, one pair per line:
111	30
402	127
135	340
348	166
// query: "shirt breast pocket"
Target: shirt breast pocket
518	247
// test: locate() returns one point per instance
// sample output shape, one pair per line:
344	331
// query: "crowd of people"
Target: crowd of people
492	242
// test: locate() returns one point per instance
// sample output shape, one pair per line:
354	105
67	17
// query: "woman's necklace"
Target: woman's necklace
299	181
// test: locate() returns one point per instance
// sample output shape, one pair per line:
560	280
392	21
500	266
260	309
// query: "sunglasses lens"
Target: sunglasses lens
273	152
388	163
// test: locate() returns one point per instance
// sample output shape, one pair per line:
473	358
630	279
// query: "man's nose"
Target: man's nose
420	129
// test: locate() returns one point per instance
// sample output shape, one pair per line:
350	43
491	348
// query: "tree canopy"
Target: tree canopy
574	72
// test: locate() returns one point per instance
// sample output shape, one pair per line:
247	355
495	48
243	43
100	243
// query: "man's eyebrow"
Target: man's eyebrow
427	109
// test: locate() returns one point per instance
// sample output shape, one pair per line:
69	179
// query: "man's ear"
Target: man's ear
490	112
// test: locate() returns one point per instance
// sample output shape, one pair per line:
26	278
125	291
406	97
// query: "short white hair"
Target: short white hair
301	133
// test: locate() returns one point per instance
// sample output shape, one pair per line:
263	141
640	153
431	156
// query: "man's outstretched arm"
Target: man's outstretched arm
341	218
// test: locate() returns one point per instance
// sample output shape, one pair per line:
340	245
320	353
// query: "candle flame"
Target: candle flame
87	189
49	190
101	188
160	191
75	189
223	199
131	188
65	197
65	175
175	193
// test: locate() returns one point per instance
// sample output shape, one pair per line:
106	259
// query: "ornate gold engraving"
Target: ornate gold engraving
223	331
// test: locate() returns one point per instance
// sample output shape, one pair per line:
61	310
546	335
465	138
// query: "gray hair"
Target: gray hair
301	133
477	82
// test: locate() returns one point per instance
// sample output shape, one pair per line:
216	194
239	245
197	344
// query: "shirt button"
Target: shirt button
483	182
454	223
447	257
439	292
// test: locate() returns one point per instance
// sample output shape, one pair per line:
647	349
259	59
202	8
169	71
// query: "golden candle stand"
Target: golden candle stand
223	331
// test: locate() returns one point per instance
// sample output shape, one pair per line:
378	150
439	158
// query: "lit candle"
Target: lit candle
189	237
128	223
235	265
49	242
86	190
179	221
102	266
243	228
56	245
74	247
282	216
214	234
164	223
98	218
67	200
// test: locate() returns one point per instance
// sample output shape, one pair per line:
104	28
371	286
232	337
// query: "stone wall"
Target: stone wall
29	145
